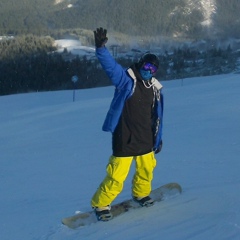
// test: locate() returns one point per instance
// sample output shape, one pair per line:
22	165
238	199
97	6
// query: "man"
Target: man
135	120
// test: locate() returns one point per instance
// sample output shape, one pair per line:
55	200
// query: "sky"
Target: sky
54	154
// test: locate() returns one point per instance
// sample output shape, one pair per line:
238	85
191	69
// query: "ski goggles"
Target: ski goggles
149	66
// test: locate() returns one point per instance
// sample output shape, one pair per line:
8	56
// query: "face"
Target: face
147	71
145	74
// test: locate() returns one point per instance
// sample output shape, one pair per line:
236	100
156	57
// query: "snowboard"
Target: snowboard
159	194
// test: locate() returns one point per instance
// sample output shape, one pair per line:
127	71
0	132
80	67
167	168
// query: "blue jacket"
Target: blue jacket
124	80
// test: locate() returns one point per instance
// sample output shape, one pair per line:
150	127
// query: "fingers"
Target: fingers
100	37
100	32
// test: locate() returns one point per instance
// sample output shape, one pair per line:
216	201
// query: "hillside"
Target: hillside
54	153
174	18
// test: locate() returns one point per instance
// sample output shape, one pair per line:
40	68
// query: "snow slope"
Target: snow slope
53	157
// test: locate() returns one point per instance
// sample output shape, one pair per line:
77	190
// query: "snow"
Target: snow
208	8
53	157
75	47
58	2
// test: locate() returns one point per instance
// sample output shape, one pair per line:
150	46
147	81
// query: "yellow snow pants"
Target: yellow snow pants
117	171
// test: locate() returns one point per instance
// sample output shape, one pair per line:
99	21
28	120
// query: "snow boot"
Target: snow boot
103	213
144	201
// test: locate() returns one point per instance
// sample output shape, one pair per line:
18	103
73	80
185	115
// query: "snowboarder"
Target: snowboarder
135	121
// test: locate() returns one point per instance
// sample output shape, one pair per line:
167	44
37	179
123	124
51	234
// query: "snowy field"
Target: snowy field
75	47
53	157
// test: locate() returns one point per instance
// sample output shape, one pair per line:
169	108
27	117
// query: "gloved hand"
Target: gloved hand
100	36
157	150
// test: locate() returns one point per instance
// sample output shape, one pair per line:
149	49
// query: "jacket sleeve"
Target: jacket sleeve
160	108
115	71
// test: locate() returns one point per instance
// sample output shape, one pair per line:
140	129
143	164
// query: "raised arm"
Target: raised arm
115	71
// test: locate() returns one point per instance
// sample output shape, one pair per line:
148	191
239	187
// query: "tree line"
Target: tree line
31	64
177	18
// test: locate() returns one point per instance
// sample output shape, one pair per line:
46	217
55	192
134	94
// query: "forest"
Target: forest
31	64
181	18
29	61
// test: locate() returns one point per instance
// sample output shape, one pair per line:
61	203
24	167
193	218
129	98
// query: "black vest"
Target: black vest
133	135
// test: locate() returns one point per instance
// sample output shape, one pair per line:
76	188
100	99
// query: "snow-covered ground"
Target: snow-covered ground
53	157
75	47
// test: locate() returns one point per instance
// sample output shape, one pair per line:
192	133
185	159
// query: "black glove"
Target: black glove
157	150
100	36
